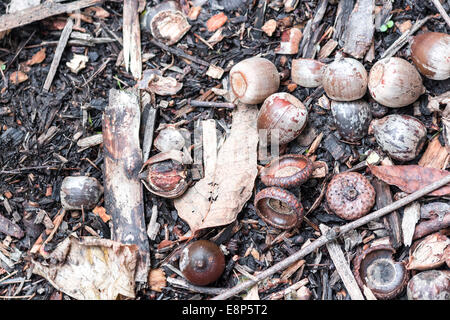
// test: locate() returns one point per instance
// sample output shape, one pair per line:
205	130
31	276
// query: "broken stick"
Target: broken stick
132	38
123	160
330	236
41	12
58	53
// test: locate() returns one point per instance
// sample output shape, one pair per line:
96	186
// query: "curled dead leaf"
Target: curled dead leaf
216	21
410	178
37	58
18	77
153	81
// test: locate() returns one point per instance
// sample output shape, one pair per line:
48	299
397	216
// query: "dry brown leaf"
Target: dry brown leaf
91	268
429	253
410	178
157	279
269	27
217	199
38	57
18	77
216	21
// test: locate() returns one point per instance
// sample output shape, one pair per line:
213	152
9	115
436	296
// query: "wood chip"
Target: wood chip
269	27
411	215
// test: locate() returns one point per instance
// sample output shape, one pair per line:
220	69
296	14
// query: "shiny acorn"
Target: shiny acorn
253	80
401	136
430	53
395	83
352	119
284	114
202	262
80	192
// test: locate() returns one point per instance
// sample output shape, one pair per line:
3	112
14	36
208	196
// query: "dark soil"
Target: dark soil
31	173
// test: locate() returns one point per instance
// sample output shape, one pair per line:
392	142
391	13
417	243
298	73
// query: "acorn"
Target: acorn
350	195
429	285
284	113
307	72
395	83
166	174
430	53
80	192
172	138
345	79
202	262
401	136
253	80
352	119
376	269
287	171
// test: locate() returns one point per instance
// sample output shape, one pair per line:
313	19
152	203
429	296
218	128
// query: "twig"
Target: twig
132	38
22	45
179	53
331	235
211	104
442	11
58	53
403	39
186	285
41	12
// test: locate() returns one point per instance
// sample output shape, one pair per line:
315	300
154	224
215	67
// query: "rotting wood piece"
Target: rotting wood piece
358	36
41	12
123	159
392	220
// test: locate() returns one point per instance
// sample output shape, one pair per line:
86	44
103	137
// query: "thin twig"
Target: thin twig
332	235
179	53
442	11
186	285
212	104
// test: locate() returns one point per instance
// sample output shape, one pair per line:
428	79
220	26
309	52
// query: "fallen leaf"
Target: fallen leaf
410	178
157	279
101	212
216	21
269	27
37	58
429	253
18	77
91	268
99	12
153	81
217	199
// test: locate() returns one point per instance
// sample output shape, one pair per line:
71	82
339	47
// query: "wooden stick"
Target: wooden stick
179	53
132	38
41	12
331	235
403	39
211	104
186	285
442	11
123	160
342	267
58	53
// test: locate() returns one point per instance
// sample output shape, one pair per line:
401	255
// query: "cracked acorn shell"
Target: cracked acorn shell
253	80
307	72
430	53
79	192
287	171
350	195
278	207
345	79
401	136
395	83
283	112
376	269
352	119
166	174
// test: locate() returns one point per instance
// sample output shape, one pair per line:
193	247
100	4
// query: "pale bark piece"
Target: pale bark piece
359	31
91	268
123	160
217	199
435	156
342	267
41	12
411	215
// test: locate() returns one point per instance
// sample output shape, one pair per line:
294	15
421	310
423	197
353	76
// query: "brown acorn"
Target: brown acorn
287	171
